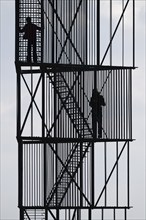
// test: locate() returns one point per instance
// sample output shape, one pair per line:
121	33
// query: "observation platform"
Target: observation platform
54	67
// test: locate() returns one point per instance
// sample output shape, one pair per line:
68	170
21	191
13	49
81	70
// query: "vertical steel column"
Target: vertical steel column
57	214
46	214
18	102
31	111
128	179
89	214
42	30
86	62
102	214
114	214
130	103
117	176
52	32
123	51
81	175
55	130
111	32
43	131
133	33
125	214
105	173
92	174
20	149
98	32
20	174
21	214
16	31
95	87
78	214
81	144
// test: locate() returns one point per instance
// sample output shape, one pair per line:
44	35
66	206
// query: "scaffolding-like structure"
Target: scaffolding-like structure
65	170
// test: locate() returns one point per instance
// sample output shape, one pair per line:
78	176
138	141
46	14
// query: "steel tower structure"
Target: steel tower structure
65	170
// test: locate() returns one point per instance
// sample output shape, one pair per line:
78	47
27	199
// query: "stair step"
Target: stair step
63	183
62	92
72	167
76	119
78	116
59	81
71	107
73	114
59	88
70	102
77	156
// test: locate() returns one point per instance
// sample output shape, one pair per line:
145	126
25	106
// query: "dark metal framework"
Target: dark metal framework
64	171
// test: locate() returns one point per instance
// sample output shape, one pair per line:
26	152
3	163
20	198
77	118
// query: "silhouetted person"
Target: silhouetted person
30	34
96	102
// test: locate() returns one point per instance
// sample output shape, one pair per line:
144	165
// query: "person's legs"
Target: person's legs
34	52
94	124
99	119
29	51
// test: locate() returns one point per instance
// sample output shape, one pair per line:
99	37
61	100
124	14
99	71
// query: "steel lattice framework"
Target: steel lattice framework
65	170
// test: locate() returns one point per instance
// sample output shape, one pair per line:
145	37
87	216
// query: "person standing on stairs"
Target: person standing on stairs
96	102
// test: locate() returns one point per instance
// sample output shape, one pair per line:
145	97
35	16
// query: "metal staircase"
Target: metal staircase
78	151
67	173
69	103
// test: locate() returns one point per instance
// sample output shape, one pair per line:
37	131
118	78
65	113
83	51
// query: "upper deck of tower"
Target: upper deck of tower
81	32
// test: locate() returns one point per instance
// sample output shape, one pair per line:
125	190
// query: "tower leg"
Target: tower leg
21	214
46	214
57	214
78	214
89	215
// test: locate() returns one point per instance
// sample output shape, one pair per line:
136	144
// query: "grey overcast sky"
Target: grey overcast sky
8	166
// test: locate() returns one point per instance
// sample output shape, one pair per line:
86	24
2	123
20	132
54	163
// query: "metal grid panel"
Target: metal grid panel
65	33
28	8
33	175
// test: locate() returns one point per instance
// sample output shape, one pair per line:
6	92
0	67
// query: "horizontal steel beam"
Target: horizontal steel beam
31	140
76	207
49	67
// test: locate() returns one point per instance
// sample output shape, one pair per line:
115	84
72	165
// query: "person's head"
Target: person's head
95	92
28	19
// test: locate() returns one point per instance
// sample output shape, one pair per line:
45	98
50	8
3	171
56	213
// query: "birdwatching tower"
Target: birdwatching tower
67	50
